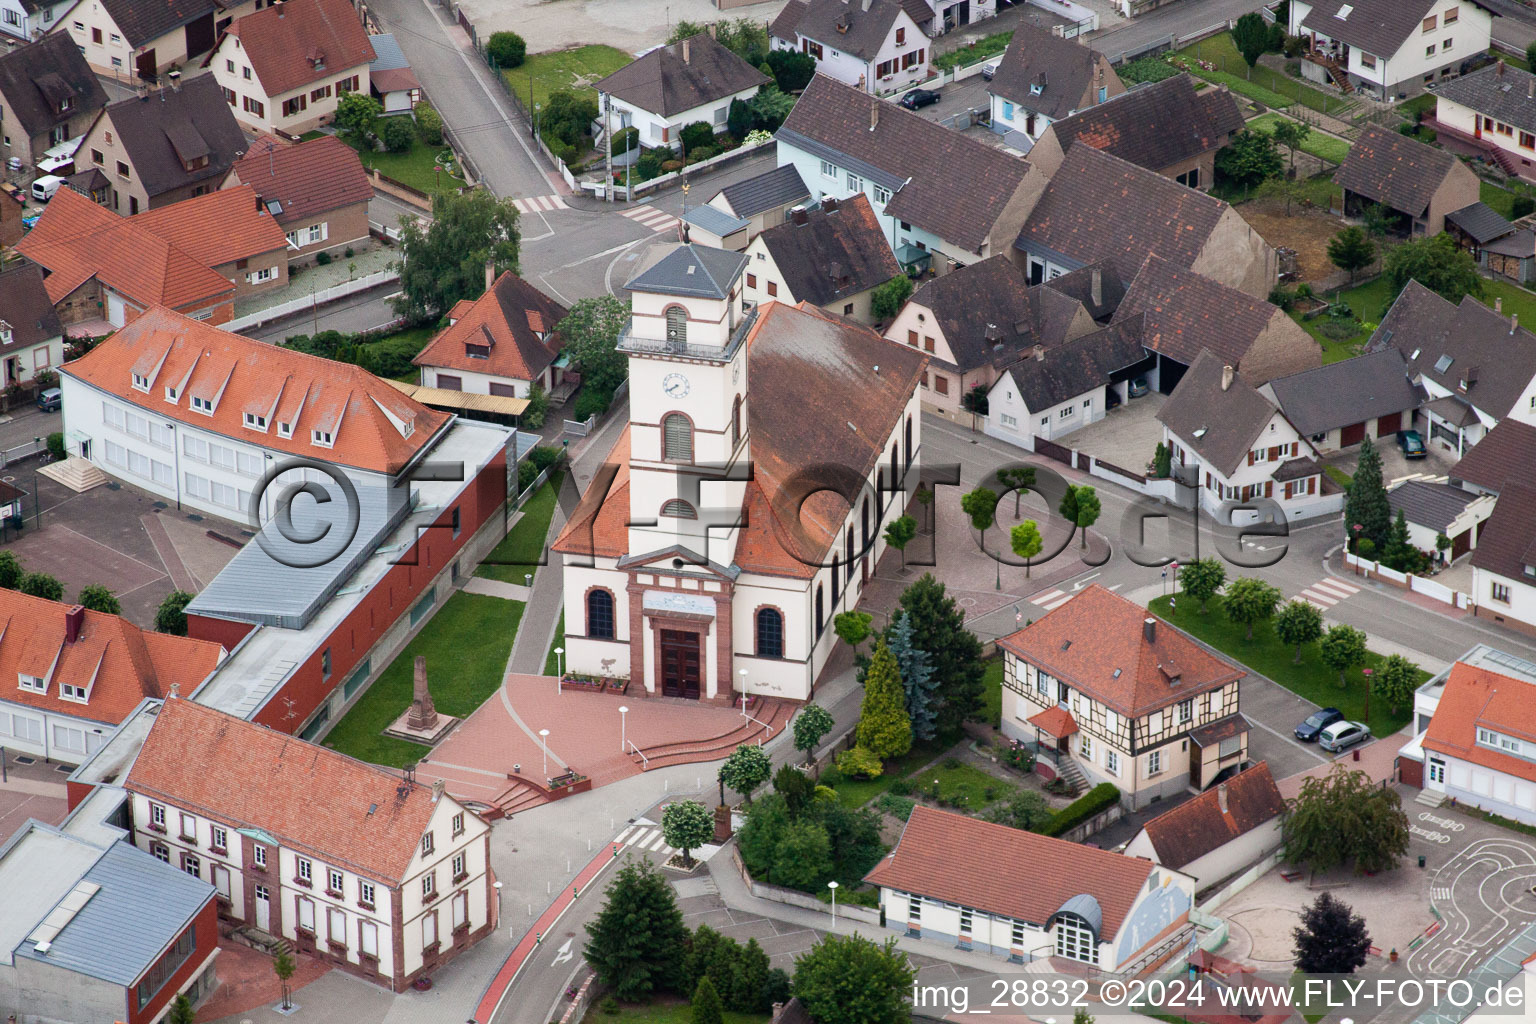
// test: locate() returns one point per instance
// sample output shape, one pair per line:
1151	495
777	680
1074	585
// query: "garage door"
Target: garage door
1387	425
1352	434
1461	544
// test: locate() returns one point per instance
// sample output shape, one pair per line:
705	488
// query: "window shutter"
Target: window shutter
1250	457
1295	448
678	441
1269	488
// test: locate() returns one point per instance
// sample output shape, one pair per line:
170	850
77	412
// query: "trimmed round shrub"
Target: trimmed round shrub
507	49
626	139
697	135
429	123
397	133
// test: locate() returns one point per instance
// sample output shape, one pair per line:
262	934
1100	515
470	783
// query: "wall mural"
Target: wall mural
1157	909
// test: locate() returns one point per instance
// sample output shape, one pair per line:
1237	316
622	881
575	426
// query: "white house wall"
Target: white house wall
1507	795
1469	36
658	130
854	71
474	383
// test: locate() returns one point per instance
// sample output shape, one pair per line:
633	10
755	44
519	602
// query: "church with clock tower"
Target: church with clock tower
745	502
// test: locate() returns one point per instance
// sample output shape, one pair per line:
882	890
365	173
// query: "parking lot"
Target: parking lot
139	547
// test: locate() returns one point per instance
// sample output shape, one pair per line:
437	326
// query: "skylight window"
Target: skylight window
1443	363
1345	12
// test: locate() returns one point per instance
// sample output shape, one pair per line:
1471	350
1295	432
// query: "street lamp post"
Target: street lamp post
559	668
623	733
833	887
1367	673
743	693
1357	528
544	741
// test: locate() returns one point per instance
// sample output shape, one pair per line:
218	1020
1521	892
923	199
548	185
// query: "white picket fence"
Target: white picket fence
1418	584
316	298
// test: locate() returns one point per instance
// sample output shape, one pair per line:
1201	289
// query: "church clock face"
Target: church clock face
675	385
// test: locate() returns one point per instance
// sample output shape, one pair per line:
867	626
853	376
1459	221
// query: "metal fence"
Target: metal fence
23	451
316	298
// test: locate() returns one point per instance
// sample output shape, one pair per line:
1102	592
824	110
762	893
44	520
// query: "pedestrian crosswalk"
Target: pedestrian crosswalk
1439	894
642	838
1327	592
650	217
539	204
1051	599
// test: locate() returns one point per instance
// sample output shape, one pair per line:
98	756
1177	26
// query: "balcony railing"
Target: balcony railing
628	343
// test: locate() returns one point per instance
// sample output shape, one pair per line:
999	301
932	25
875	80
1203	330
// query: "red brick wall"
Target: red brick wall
206	925
389	599
76	792
220	631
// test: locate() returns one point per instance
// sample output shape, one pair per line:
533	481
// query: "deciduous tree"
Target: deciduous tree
1437	263
40	584
746	769
284	967
687	825
1026	811
850	980
1249	601
792	70
1026	542
357	118
1291	135
11	571
1248	159
171	616
1343	648
1395	680
444	260
852	628
591	332
938	627
811	725
1201	579
887	299
1017	479
507	49
899	533
795	787
1298	623
1080	506
884	728
98	599
1344	817
1331	938
638	942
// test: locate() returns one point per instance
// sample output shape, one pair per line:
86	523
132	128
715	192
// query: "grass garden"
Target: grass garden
415	167
1319	144
574	69
1270	87
522	550
462	676
1265	654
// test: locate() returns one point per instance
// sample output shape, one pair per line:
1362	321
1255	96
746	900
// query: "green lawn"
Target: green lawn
992	711
1319	144
1338	476
664	1013
523	550
858	792
414	167
466	646
575	69
981	49
1266	655
1501	199
1411	109
1270	87
966	787
551	661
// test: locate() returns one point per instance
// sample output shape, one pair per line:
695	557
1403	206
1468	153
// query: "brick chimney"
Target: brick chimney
686	53
1149	629
828	204
797	216
1226	377
490	274
874	114
73	620
1221	797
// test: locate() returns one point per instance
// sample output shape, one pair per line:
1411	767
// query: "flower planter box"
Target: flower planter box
564	785
593	684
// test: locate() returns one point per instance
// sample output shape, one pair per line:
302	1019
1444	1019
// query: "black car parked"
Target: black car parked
1316	722
919	98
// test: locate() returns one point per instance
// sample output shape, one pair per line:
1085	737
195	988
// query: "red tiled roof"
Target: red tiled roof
76	240
1198	826
315	800
302	41
600	524
1476	697
118	663
507	319
1097	643
373	426
217	227
1056	721
313	177
1002	870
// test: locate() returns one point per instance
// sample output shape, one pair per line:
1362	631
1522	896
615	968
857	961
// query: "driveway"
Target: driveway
1435	465
1126	436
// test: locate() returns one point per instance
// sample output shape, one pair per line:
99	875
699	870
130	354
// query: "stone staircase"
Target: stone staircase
1429	798
1068	771
521	795
772	718
75	473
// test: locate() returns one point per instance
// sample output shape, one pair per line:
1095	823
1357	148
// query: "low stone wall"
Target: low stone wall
796	898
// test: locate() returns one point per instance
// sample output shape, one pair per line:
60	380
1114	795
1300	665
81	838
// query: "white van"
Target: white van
44	188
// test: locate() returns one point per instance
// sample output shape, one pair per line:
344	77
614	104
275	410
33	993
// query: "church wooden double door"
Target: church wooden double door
680	664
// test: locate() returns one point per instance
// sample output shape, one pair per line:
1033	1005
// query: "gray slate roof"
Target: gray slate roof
697	271
24	304
33	78
767	191
666	82
1444	343
1505	452
715	221
1063	70
855	27
834	254
149	129
1219	426
1346	392
1079	284
1500	91
141	907
144	21
1157	125
942	181
1431	506
387	55
1065	371
1481	221
1507	541
1379	27
993	298
1391	168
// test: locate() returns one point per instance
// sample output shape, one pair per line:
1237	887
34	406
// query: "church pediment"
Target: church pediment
677	557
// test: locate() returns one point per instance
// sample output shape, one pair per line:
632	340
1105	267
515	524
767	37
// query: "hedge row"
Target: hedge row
1100	798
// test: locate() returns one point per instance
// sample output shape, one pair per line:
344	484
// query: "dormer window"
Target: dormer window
203	405
141	382
170	394
69	691
285	430
321	438
255	422
66	105
6	334
477	351
33	683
